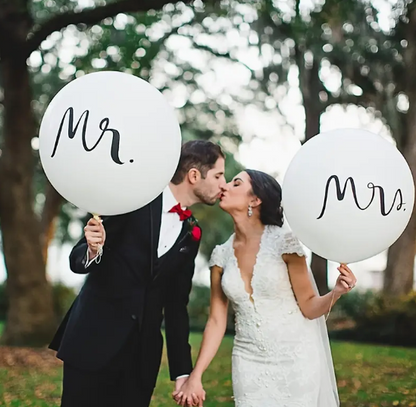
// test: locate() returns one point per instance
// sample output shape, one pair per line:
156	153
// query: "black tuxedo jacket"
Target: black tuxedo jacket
131	287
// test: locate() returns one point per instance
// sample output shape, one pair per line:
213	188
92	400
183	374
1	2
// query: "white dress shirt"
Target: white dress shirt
171	225
170	229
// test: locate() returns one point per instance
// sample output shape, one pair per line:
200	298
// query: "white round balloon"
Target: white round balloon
348	194
109	142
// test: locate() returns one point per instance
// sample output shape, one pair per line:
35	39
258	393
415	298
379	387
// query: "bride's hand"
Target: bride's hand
191	393
346	280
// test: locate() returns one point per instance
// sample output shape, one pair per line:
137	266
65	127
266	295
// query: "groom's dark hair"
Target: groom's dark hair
199	154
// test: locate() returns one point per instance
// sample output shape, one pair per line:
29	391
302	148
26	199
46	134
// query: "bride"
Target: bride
281	355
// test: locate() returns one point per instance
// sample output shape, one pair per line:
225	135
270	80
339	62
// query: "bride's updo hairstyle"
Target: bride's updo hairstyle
269	191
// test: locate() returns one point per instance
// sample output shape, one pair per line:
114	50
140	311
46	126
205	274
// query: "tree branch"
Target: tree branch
90	17
217	54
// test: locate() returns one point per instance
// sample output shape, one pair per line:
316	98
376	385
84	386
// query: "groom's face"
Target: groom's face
210	188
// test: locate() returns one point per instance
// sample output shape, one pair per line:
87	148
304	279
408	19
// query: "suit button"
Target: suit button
134	316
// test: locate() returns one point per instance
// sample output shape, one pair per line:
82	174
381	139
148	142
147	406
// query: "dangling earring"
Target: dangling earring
250	211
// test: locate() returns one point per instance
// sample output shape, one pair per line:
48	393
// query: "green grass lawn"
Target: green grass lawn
368	376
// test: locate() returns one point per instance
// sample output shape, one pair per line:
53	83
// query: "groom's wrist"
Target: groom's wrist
182	376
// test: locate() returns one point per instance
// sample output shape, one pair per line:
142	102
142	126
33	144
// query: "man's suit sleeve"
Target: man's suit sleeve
78	258
177	320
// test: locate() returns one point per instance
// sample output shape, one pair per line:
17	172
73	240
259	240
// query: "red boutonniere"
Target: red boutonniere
194	229
196	233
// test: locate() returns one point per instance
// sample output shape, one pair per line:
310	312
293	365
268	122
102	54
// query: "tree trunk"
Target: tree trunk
310	85
319	265
50	213
30	319
398	278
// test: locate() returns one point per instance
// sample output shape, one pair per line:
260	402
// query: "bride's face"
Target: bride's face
237	195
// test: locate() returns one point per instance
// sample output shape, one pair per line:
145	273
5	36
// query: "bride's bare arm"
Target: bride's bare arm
216	325
211	341
313	305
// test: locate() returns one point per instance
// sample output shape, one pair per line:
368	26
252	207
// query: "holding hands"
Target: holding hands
189	392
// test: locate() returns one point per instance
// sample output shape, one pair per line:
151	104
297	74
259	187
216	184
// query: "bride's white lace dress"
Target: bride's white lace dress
277	359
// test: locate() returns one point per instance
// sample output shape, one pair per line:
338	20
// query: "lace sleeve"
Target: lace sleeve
290	245
217	257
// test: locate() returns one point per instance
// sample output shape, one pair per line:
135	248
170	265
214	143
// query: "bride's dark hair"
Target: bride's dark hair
269	191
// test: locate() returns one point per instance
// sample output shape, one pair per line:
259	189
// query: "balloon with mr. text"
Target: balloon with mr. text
348	194
109	142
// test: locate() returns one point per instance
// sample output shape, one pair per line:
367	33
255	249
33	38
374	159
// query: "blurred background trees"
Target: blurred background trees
317	55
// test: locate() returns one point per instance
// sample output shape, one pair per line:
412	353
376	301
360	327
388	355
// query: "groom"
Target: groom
140	267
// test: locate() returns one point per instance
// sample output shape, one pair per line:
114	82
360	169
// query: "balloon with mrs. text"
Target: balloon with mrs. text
348	194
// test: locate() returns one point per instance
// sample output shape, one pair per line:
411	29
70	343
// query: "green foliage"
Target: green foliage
339	36
353	304
44	10
198	309
379	318
63	297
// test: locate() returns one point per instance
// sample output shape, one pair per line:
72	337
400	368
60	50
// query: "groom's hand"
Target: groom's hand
95	236
178	385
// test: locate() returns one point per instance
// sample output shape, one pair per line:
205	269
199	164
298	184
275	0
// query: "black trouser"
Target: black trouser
116	385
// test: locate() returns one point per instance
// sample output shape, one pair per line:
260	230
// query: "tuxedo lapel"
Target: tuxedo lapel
182	235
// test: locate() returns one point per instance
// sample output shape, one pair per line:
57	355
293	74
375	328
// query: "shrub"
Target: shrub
379	318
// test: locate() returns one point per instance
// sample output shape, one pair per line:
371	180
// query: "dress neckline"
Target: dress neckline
251	295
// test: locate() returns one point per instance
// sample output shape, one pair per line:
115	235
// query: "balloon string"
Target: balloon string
332	303
99	247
